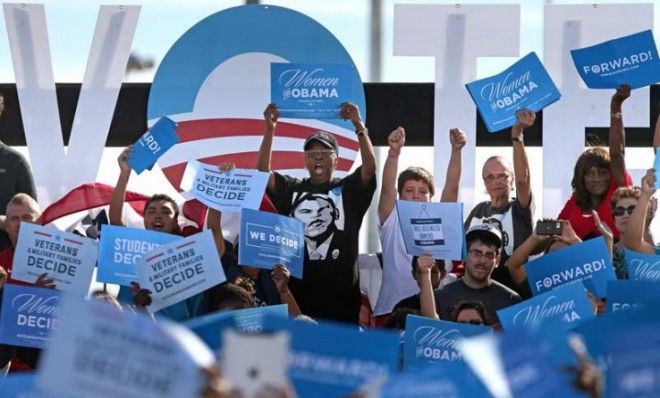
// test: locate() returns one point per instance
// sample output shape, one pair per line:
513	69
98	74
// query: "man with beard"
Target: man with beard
332	210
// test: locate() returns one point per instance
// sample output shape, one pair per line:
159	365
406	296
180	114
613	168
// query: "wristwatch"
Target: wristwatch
362	132
518	139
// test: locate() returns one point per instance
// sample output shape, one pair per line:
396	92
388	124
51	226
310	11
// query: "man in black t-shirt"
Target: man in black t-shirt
332	210
484	242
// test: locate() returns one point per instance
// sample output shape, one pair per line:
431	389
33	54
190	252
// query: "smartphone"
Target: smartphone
251	361
549	227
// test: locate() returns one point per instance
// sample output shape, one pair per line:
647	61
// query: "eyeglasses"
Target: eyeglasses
473	322
494	177
620	210
478	254
324	153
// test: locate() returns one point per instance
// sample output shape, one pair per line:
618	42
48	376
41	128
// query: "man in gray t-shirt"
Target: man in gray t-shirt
484	243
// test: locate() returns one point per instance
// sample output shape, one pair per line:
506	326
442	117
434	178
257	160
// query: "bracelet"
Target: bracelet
362	132
616	115
517	139
393	154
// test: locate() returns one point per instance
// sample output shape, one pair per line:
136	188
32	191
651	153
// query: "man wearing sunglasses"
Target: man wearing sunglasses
484	242
332	210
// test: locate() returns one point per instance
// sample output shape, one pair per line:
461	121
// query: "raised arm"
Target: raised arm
618	136
281	275
425	263
656	135
388	192
633	238
263	161
525	119
457	139
516	262
117	199
368	171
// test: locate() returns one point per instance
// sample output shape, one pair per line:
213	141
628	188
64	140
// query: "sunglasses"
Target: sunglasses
620	210
473	322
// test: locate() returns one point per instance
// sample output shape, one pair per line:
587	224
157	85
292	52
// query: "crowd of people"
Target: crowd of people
500	234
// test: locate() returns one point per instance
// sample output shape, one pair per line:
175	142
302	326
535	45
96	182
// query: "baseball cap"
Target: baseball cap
324	138
485	232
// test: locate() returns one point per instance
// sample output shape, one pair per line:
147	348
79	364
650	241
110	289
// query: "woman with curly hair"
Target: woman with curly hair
598	173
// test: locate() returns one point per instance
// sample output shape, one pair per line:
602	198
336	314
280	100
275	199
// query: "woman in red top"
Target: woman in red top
598	173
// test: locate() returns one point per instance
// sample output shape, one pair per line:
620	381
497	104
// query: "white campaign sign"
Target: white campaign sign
456	36
101	351
55	172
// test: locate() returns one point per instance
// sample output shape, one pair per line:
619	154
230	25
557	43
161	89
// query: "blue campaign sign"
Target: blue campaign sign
251	320
28	315
566	305
66	257
447	379
529	371
120	248
331	360
624	294
311	91
180	269
226	192
629	60
153	144
20	385
525	84
267	239
436	228
643	266
589	262
656	166
430	341
634	371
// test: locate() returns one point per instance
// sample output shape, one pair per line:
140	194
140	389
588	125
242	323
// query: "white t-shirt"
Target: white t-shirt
398	282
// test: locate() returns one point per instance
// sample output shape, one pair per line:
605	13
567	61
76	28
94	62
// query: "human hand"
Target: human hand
45	281
621	94
457	138
226	167
271	115
281	276
648	182
603	228
397	139
122	160
568	234
3	277
425	263
524	119
350	111
141	297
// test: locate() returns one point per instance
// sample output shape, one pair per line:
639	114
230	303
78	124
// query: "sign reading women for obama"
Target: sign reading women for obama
629	60
430	341
267	239
526	84
643	266
436	228
28	315
100	348
564	305
181	269
120	249
67	258
589	262
310	90
228	192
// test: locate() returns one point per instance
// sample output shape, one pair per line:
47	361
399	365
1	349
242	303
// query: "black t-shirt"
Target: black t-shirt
413	302
332	213
15	177
494	297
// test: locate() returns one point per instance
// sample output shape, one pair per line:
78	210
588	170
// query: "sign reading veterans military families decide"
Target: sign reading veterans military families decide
589	262
642	266
428	341
564	305
153	144
181	269
629	60
226	192
436	228
67	258
29	314
120	248
310	91
526	84
98	347
268	239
